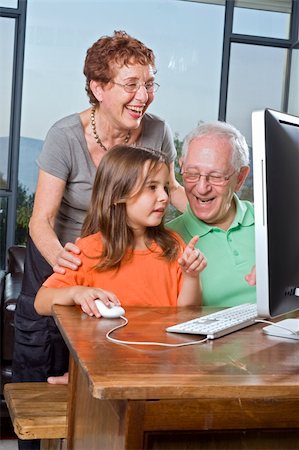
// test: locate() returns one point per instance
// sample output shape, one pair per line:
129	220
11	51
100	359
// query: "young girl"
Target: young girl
127	255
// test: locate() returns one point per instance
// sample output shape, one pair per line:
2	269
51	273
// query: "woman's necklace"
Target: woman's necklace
95	134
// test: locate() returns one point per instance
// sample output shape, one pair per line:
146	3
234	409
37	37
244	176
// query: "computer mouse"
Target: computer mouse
109	313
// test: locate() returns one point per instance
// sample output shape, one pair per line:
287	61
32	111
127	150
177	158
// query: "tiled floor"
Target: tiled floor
10	444
8	439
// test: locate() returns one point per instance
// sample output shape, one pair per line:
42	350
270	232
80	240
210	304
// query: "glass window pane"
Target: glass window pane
6	56
9	3
58	34
3	224
256	81
270	19
294	84
187	41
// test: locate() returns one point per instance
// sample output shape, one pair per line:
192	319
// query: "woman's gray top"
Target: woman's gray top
65	155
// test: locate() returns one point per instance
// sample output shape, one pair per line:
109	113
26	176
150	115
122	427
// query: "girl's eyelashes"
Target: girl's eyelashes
151	185
154	187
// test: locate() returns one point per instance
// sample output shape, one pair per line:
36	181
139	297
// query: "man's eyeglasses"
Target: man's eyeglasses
132	87
214	179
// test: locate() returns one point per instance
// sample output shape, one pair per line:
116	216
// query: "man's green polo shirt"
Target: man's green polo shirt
230	255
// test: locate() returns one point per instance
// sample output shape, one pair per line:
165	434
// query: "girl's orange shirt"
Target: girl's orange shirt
147	279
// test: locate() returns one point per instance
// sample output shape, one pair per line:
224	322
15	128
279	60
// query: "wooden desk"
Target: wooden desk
196	397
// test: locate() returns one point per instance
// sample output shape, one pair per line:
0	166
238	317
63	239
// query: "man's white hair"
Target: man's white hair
240	153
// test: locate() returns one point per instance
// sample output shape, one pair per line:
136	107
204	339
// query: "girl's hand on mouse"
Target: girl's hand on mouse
192	261
86	296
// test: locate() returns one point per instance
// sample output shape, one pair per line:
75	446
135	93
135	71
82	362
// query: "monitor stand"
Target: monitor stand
287	328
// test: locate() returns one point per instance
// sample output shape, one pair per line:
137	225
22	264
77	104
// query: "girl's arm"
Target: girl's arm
48	196
73	295
192	262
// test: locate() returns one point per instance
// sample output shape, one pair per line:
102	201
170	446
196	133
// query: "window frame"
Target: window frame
11	191
229	38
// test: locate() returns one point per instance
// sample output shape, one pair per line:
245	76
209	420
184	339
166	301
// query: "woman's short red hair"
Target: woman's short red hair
109	51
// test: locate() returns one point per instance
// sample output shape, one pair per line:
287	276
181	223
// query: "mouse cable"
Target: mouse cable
162	344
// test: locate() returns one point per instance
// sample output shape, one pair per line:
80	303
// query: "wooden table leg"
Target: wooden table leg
101	424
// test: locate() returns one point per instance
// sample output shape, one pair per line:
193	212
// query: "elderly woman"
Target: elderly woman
120	83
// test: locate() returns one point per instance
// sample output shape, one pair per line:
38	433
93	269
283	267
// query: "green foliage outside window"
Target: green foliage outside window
24	210
172	212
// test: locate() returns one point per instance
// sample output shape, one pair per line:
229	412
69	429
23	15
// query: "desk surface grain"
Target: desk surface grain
245	364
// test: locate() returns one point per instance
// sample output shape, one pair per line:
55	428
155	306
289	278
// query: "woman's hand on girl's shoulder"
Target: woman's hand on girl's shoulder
67	258
192	261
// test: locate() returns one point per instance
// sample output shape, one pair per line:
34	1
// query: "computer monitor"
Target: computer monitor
275	148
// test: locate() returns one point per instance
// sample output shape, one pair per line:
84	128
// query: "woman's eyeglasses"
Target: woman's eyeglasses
133	87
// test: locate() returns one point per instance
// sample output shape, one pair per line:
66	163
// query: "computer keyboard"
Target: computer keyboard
220	323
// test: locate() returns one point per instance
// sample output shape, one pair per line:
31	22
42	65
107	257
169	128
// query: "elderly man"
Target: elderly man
214	166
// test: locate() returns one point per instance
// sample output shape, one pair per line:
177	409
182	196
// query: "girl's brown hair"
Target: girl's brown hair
119	49
120	175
